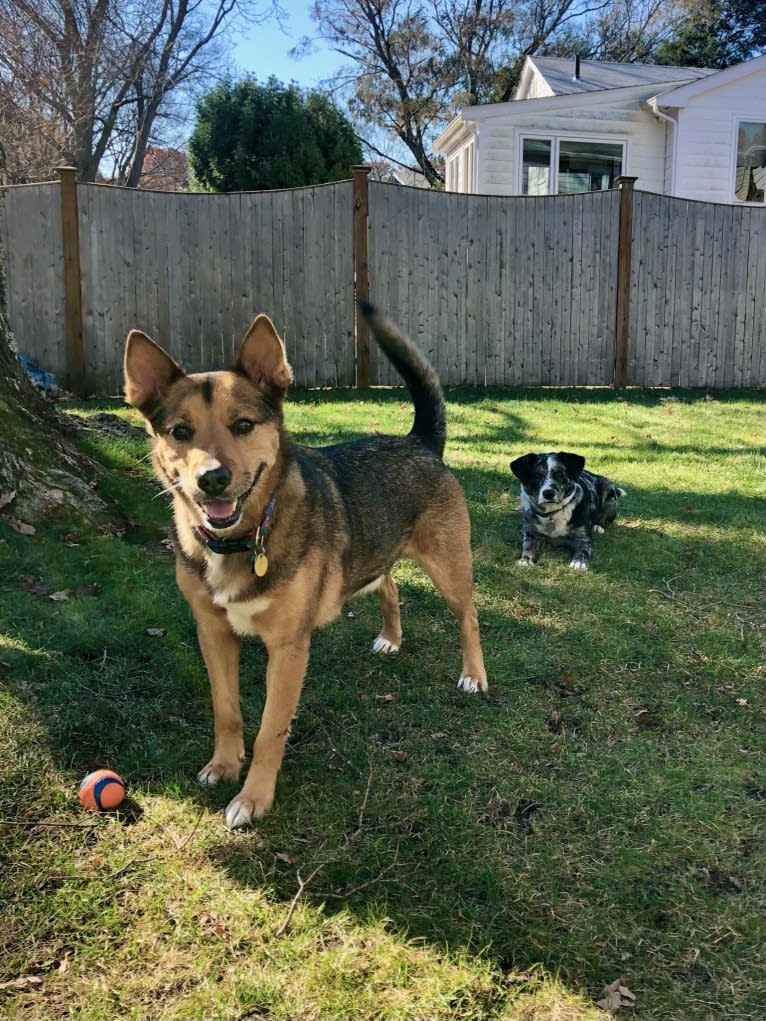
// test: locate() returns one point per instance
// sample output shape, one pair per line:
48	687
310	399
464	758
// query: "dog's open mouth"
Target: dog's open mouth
226	513
222	513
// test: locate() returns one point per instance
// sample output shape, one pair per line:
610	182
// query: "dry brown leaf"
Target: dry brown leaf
553	723
616	996
60	596
22	527
23	984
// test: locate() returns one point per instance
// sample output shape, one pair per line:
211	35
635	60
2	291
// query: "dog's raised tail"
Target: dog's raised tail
430	425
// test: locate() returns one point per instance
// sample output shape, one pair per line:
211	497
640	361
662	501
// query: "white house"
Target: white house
577	125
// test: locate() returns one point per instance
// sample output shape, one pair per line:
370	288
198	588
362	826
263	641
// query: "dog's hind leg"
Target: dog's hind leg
390	637
445	556
609	495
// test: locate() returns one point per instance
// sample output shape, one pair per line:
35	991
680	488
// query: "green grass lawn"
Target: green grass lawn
598	816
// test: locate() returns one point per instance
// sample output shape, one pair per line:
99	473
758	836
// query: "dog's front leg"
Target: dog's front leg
284	679
531	548
582	551
220	648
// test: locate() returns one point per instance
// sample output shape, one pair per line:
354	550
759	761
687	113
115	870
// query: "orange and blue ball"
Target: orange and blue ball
102	789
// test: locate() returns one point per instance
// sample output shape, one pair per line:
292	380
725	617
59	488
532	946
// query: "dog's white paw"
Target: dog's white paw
242	811
239	813
215	770
598	529
382	645
471	684
208	777
579	565
525	563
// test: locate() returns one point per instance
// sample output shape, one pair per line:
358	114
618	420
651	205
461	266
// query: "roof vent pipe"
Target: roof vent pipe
577	68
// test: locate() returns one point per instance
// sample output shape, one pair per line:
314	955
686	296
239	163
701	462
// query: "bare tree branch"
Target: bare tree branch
414	62
92	73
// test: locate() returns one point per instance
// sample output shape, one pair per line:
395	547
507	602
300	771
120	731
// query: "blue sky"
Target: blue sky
263	50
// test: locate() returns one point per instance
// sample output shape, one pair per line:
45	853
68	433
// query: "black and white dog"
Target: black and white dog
564	504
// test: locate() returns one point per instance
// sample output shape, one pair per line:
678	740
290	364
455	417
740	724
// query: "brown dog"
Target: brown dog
272	538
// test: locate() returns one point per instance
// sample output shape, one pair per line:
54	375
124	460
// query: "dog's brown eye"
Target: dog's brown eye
242	427
181	433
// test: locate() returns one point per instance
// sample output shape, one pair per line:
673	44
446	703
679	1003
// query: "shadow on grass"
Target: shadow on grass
463	840
649	397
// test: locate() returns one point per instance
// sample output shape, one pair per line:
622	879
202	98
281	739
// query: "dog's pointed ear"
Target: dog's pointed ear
149	372
574	463
261	357
522	467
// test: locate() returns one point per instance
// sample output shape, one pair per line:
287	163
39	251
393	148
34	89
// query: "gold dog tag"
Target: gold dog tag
260	564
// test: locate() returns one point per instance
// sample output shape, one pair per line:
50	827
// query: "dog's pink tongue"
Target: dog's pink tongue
219	510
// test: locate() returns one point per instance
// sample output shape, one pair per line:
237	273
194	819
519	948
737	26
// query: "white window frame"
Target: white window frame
737	120
459	170
451	175
468	166
556	138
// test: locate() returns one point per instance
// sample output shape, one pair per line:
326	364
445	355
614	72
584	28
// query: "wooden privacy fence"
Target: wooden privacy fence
607	288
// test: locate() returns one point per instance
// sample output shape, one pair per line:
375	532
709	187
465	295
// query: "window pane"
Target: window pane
536	166
750	176
588	166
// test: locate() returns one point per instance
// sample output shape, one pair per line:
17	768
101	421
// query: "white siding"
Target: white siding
706	142
497	170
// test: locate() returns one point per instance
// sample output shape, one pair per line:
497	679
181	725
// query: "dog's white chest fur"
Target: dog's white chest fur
226	594
241	615
555	525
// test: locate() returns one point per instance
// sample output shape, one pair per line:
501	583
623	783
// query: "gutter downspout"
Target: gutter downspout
674	137
473	127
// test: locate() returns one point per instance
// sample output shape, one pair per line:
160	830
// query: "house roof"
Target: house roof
672	87
681	94
596	75
164	170
409	177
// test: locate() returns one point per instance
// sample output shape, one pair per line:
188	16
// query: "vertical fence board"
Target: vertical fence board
34	260
757	276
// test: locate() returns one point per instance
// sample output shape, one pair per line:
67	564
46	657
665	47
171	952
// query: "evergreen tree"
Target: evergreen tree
249	136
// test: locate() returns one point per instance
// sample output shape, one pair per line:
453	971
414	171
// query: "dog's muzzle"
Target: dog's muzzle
222	512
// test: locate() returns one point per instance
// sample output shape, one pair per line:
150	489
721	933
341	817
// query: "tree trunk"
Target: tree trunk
43	476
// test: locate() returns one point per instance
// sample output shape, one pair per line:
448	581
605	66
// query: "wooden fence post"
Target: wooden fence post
624	245
70	232
361	270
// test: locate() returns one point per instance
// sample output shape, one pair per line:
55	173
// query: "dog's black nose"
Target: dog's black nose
548	494
215	481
